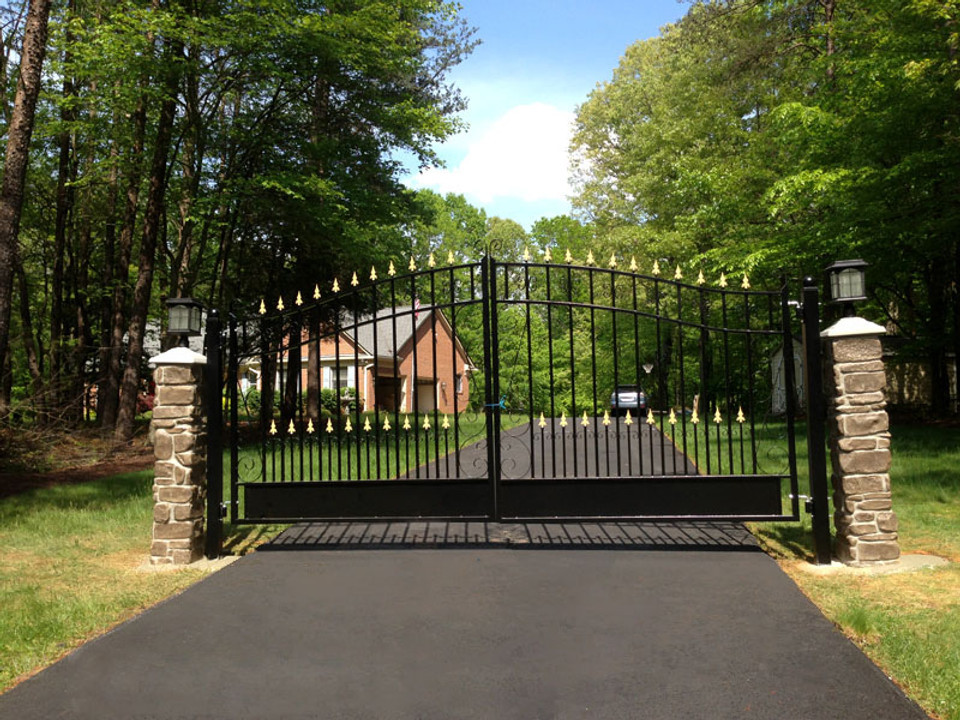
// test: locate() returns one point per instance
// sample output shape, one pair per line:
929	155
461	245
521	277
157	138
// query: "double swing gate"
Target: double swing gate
485	391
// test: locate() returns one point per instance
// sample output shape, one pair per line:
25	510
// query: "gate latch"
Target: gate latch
807	502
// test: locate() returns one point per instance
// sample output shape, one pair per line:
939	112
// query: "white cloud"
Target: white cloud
523	155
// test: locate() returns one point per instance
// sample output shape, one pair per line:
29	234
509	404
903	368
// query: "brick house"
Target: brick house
392	354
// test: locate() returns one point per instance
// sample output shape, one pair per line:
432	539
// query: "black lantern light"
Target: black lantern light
847	283
184	318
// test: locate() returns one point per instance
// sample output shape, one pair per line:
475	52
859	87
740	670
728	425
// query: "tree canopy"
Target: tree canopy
777	137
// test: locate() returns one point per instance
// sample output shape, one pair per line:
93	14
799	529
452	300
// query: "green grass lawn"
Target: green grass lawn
909	623
70	567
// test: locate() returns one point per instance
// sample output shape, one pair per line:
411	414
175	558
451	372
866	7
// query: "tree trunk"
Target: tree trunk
15	167
26	332
148	249
108	395
66	175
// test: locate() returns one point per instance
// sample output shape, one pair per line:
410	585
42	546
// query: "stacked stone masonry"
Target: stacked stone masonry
180	469
860	443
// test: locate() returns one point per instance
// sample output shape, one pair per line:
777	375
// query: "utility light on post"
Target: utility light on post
847	282
184	318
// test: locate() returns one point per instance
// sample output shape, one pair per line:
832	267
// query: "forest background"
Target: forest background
222	150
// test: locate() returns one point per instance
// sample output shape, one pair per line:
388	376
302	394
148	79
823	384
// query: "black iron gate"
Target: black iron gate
509	390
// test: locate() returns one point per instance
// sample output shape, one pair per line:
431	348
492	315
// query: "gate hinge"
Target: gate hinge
807	502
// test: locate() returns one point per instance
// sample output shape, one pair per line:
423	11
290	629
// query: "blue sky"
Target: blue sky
539	59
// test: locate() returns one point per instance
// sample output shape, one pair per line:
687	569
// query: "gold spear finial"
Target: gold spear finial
568	257
606	417
366	424
373	273
426	422
547	255
563	418
673	417
723	280
280	303
590	259
354	281
310	429
741	418
543	421
527	257
316	292
613	261
292	429
450	258
263	308
273	427
386	423
585	422
391	271
628	420
716	416
701	280
406	422
413	264
299	300
633	264
446	422
336	285
650	420
746	282
329	427
678	273
348	426
431	261
656	267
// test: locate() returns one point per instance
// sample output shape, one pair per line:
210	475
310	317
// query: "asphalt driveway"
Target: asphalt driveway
477	621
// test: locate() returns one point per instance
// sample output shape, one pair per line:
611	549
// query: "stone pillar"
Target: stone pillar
179	445
859	443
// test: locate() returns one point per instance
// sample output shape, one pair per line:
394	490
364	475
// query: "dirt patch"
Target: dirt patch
123	460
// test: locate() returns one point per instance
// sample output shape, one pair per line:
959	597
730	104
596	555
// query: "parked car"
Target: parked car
628	397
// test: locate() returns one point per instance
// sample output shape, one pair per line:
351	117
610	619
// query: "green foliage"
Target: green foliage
778	137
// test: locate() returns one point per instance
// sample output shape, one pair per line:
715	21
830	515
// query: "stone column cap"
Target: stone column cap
179	356
853	327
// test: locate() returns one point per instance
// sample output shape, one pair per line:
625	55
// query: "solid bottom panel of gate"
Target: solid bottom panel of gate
754	497
467	499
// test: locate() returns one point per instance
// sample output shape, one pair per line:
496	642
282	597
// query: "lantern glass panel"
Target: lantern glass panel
194	319
179	319
848	284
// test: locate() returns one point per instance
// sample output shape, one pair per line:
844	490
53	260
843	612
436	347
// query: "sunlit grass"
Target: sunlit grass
909	623
69	567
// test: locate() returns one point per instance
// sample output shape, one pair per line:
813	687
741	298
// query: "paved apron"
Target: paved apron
525	622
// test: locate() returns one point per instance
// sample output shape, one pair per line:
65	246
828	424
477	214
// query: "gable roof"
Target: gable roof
382	323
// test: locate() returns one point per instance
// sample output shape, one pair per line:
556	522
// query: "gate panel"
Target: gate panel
362	405
690	436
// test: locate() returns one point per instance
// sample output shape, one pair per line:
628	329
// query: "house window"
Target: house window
459	384
345	376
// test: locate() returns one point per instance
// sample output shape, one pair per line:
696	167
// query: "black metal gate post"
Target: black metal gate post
491	369
214	401
816	420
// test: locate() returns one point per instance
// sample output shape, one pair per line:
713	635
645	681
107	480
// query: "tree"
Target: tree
15	166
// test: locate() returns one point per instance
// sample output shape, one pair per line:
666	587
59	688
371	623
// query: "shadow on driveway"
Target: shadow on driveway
714	536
